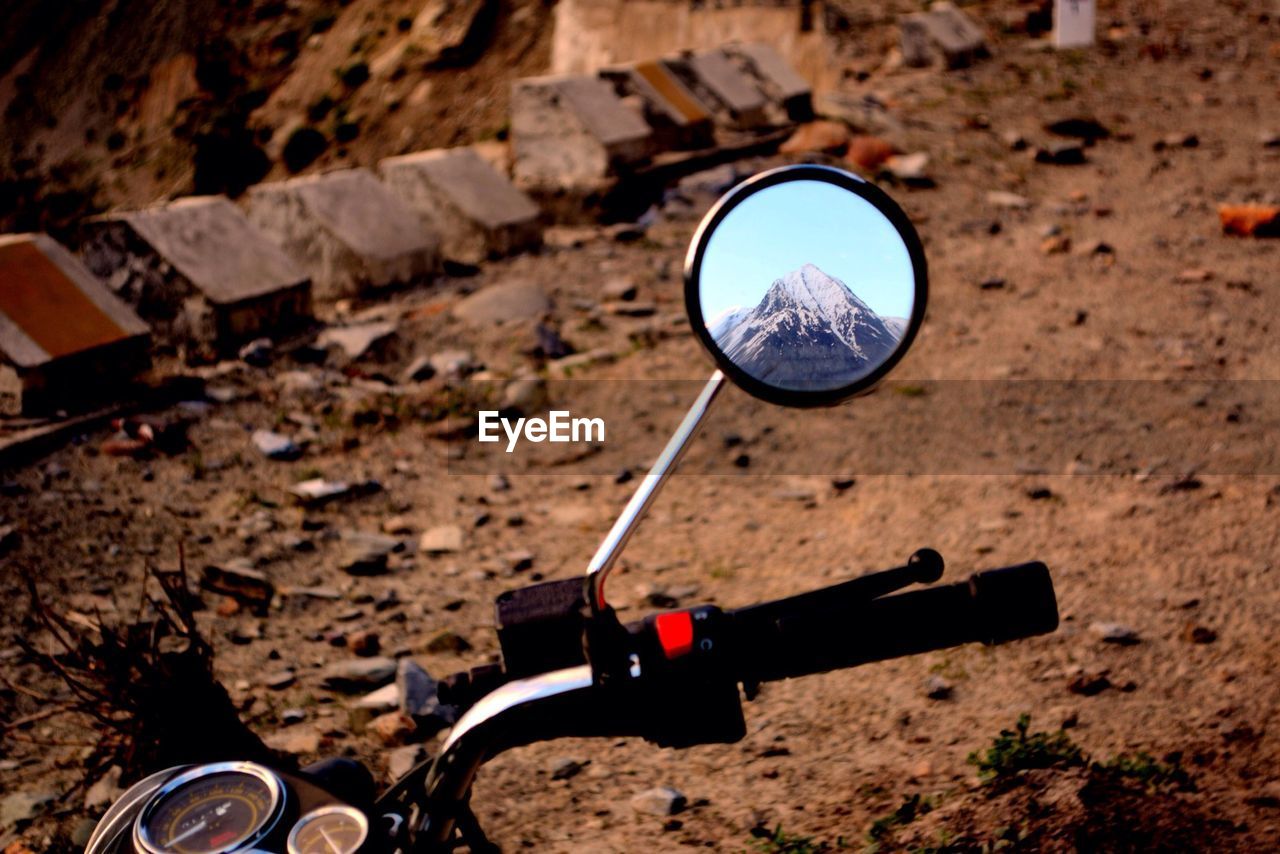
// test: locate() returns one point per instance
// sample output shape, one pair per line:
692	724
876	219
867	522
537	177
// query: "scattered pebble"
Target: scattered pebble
661	801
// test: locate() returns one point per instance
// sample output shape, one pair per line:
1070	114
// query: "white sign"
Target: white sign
1073	23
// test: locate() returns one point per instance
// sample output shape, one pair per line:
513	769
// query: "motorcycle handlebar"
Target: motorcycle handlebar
813	633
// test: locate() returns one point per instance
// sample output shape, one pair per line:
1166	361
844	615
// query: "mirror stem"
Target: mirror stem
607	554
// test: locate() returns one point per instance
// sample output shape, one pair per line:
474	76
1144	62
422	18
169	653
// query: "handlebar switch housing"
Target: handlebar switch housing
694	695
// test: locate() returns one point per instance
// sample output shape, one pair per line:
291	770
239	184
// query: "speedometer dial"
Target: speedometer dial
329	830
210	809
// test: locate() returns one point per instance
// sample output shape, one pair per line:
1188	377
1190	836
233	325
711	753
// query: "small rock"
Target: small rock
1193	633
526	394
397	525
104	792
820	136
1117	633
365	644
1056	245
1089	684
356	341
869	152
392	727
1269	139
566	366
447	641
289	717
548	344
1194	275
1015	140
566	768
519	561
621	289
1176	140
258	352
419	370
274	446
241	582
366	554
992	284
661	801
453	364
1061	154
280	680
318	491
909	168
1079	127
402	760
295	742
937	688
502	303
385	699
358	674
1008	201
1250	220
443	539
630	309
298	382
80	836
20	808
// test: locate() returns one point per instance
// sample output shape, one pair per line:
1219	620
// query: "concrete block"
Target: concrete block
572	132
781	83
349	232
198	272
477	212
64	337
944	31
717	80
679	120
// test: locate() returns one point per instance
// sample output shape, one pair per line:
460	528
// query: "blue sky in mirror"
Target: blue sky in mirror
781	228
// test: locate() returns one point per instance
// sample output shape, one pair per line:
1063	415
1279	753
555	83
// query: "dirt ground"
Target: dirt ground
1186	558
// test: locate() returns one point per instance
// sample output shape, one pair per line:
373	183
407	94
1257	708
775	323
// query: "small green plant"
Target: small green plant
778	841
1146	770
911	808
1019	749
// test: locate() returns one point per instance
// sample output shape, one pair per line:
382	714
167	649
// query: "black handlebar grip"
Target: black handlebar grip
999	605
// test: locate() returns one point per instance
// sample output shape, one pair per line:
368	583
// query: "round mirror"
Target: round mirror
806	283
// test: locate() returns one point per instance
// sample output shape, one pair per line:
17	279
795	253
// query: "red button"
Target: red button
675	633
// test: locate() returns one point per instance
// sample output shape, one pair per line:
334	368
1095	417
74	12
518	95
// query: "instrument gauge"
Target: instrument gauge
333	829
211	809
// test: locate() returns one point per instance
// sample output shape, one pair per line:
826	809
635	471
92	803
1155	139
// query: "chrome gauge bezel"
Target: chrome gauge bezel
141	832
322	812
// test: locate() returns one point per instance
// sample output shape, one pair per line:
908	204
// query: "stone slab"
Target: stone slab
198	269
349	232
571	132
678	118
776	78
477	211
61	329
943	31
210	241
716	79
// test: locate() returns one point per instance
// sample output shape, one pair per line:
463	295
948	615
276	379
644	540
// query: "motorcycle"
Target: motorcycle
766	293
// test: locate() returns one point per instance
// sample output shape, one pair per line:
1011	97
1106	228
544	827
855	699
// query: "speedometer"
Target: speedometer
210	809
334	829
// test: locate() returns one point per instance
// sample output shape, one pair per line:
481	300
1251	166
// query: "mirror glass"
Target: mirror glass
807	283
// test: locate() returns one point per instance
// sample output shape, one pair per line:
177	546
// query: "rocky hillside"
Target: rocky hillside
106	103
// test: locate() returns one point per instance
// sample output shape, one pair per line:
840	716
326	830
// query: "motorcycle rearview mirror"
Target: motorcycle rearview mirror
807	285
